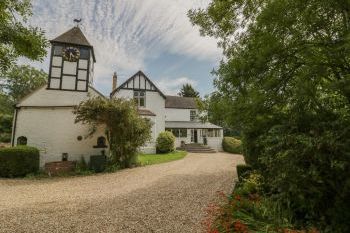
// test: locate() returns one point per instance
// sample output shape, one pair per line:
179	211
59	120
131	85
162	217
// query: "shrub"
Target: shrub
5	137
232	145
18	161
98	163
243	171
5	128
165	142
82	166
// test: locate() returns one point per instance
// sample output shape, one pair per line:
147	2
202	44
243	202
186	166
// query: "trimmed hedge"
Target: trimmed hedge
232	145
165	142
18	161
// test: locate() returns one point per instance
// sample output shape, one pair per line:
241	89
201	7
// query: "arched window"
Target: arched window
101	142
22	140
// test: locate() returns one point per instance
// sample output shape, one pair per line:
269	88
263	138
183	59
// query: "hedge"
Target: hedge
165	142
232	145
18	161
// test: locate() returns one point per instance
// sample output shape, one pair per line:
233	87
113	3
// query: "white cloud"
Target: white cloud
172	86
127	33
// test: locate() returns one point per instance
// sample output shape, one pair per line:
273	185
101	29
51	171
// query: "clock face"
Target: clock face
71	54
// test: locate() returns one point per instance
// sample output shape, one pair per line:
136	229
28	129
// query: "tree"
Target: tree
17	38
285	80
188	91
20	81
126	131
216	109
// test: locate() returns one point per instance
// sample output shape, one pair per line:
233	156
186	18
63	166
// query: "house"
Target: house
45	118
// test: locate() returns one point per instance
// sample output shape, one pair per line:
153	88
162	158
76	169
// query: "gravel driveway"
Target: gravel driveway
169	197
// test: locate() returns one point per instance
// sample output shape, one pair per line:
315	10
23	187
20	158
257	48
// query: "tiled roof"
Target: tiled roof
145	112
73	36
180	102
191	125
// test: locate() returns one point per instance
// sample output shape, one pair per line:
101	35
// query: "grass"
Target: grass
148	159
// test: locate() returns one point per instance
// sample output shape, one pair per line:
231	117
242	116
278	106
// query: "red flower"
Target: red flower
240	227
238	197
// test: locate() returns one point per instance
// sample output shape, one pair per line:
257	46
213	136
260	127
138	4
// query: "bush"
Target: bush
98	163
18	161
232	145
243	171
5	137
165	142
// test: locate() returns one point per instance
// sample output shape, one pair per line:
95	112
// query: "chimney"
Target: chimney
115	80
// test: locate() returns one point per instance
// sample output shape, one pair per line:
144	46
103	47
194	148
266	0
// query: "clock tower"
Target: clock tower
71	62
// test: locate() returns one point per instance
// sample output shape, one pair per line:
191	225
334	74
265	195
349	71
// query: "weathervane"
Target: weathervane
78	22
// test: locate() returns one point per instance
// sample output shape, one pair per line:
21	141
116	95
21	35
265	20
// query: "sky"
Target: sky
154	36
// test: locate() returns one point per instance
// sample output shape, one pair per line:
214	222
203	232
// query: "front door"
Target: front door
194	136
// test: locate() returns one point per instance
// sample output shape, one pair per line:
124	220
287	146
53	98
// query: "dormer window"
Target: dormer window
139	97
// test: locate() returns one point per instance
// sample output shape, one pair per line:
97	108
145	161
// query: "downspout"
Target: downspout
14	127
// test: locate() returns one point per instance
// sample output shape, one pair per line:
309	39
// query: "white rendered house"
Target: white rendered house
173	113
45	119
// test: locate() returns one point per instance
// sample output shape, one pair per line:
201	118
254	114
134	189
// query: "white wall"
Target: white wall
51	128
175	114
53	132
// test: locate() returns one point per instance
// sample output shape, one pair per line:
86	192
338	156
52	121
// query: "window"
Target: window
57	51
22	141
101	142
179	133
193	115
139	97
84	53
211	132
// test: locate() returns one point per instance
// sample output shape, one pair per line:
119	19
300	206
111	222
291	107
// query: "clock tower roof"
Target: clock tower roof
74	36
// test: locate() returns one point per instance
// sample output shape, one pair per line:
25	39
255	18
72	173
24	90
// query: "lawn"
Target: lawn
148	159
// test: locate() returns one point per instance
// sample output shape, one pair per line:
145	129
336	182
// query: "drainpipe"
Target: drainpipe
14	126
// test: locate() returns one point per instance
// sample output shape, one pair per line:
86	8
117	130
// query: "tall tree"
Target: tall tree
20	81
17	38
188	91
286	79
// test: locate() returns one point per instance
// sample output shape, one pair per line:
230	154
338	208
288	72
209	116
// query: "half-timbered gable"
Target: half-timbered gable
138	82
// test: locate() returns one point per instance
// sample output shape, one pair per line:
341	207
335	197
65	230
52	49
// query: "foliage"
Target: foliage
216	109
232	145
243	171
5	128
126	131
81	165
188	91
247	210
6	104
18	161
285	79
148	159
20	81
165	142
98	163
17	38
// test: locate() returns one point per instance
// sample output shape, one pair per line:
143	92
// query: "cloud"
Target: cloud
172	86
127	33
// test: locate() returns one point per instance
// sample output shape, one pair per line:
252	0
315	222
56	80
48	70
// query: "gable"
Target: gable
138	81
